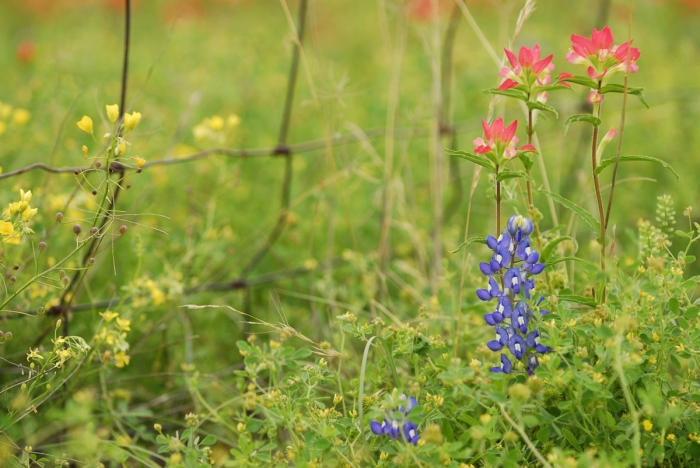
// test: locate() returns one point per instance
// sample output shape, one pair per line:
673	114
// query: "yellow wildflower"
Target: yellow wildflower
139	161
132	120
63	355
233	121
648	426
25	196
121	148
20	117
671	438
34	354
112	112
85	124
216	123
29	213
121	359
655	336
6	228
124	324
108	315
85	150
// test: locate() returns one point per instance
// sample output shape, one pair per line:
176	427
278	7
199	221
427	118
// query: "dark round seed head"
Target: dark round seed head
98	164
77	229
42	246
91	261
94	192
61	273
15	267
128	186
122	229
13	279
76	172
59	217
40	311
65	280
139	170
94	230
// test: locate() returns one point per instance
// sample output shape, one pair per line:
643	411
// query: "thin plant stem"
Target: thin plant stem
599	198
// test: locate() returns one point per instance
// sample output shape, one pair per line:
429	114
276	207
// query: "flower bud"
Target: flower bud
42	246
59	217
77	229
8	336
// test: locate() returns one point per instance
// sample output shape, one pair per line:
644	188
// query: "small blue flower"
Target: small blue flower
520	317
392	425
504	307
493	290
501	340
533	341
517	346
512	280
506	365
532	364
410	431
494	318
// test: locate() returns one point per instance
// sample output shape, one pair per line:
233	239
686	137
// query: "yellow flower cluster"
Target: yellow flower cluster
16	116
214	127
112	338
131	121
15	217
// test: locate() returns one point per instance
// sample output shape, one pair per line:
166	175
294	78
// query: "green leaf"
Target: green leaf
589	301
547	251
552	87
209	440
636	157
584	214
590	118
542	107
570	437
475	158
582	80
480	240
684	234
301	353
504	175
620	89
526	160
508	92
554	261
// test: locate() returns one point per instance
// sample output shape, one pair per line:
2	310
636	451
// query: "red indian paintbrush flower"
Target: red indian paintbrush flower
529	70
602	57
500	139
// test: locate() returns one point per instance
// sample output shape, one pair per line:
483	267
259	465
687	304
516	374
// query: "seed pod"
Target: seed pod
13	279
94	231
59	217
8	336
61	273
122	229
77	229
98	164
42	246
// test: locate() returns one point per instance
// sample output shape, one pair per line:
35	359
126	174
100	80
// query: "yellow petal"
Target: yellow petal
132	120
113	112
85	124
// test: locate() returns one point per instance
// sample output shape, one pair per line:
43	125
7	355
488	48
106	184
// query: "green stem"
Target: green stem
599	199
